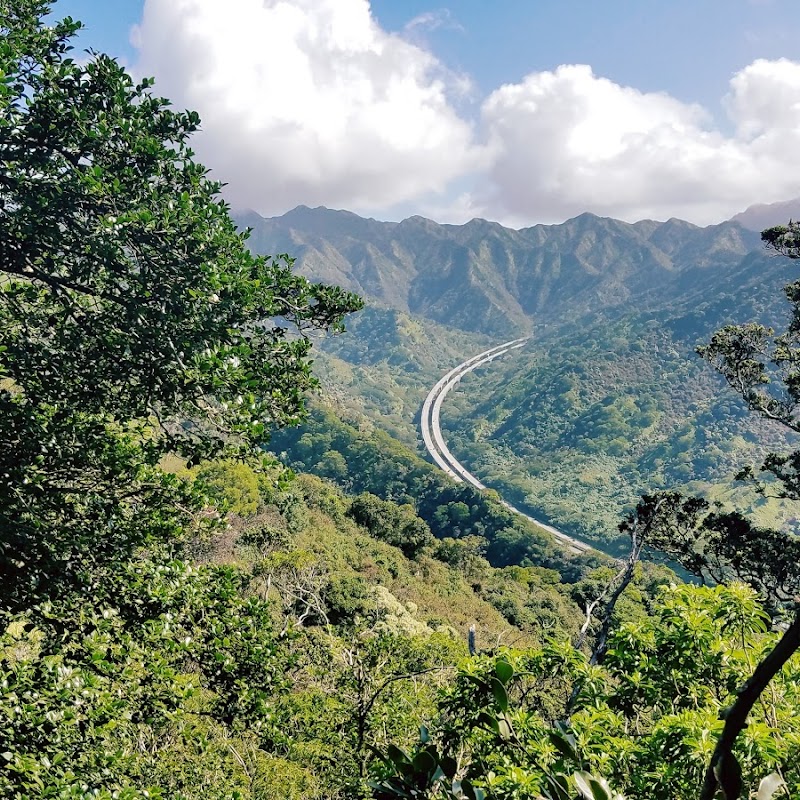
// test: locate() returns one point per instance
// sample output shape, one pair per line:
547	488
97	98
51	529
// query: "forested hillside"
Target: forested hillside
578	424
362	458
182	616
593	411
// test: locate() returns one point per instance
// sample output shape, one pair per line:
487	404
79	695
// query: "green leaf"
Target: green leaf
592	788
565	744
424	762
504	671
500	694
557	787
397	756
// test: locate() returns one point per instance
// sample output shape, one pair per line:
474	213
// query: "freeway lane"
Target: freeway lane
431	432
435	444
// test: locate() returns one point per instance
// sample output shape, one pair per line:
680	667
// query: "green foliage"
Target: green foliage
120	261
134	322
396	525
576	425
96	696
77	493
234	486
382	466
645	720
272	678
440	594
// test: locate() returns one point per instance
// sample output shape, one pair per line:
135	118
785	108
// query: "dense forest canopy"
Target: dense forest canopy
134	322
179	618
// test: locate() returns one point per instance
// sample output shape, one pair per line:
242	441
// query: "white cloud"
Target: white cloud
310	101
433	20
568	141
765	100
307	101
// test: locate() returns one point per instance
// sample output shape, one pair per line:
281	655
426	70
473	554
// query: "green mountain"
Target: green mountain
575	426
485	278
606	401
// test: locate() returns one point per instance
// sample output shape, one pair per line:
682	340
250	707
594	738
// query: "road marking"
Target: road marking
445	460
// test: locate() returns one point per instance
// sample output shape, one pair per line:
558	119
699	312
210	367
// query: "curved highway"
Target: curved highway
434	442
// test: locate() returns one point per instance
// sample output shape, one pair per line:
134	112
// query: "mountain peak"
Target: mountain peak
767	215
586	216
484	277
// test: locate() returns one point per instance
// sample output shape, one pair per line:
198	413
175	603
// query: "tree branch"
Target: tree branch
720	772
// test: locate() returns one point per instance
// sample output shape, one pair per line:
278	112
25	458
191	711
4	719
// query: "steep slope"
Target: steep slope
486	278
585	418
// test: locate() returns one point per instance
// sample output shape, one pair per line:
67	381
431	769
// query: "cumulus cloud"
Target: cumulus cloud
307	101
567	141
310	101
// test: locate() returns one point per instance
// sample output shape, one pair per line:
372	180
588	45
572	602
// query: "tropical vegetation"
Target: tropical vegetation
183	616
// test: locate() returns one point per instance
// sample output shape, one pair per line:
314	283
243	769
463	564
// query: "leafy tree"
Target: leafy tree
718	546
644	719
233	485
645	529
134	325
764	368
133	319
91	705
396	525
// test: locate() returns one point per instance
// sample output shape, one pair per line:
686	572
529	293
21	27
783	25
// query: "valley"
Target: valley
438	450
605	402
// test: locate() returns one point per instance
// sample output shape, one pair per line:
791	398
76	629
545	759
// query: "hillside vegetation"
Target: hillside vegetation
183	617
579	423
363	458
594	410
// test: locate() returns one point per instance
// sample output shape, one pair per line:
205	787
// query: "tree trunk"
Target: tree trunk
723	770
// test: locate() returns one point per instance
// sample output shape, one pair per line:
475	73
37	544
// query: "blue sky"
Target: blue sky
685	108
689	48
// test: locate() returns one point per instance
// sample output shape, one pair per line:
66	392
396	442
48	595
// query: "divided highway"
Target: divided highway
435	444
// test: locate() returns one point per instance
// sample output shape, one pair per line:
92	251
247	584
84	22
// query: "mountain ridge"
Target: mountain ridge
767	215
481	276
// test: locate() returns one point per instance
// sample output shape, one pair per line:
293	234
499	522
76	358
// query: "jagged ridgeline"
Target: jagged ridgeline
607	400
